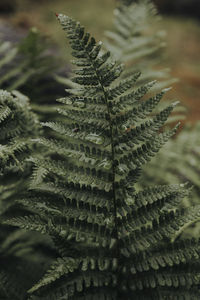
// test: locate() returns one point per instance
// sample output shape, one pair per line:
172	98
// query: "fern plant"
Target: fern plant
131	44
28	67
18	126
135	42
114	242
178	161
20	261
24	62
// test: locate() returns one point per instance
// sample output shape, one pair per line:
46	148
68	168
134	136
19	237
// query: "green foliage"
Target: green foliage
29	67
20	262
178	161
135	42
18	127
24	63
111	235
113	241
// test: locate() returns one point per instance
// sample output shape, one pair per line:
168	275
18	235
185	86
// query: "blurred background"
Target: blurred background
180	20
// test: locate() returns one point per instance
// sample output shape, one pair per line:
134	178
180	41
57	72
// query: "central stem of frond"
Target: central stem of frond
112	149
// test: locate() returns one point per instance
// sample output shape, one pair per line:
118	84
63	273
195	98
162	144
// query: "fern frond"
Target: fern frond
180	164
132	42
18	124
25	62
21	263
135	42
113	242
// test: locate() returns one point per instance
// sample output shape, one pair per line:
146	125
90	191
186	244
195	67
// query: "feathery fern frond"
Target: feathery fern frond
181	161
113	242
178	161
135	43
20	262
23	62
18	126
28	67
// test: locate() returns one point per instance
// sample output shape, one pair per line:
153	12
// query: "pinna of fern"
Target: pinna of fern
114	242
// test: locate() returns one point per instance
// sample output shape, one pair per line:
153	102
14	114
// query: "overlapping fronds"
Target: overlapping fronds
135	42
113	241
23	260
28	67
20	262
18	126
179	162
25	62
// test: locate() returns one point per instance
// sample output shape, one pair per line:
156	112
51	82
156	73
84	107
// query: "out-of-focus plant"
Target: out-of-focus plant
135	41
178	161
25	63
28	66
132	22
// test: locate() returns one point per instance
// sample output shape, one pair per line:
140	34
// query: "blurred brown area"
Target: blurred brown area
183	34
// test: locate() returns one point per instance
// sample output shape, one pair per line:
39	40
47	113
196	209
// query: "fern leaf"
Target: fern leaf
113	242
